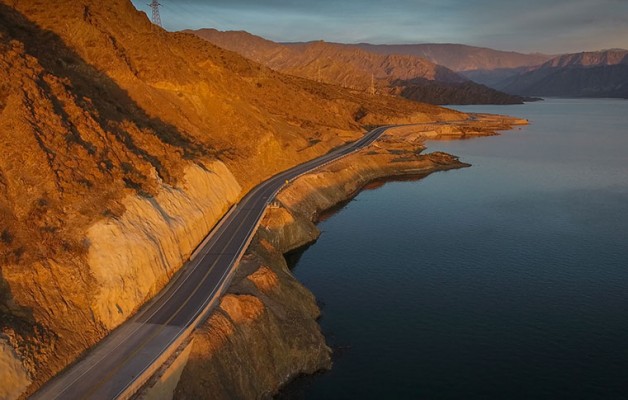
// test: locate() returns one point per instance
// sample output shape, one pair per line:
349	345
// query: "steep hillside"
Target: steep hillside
351	67
459	57
589	59
434	92
122	145
479	64
588	74
330	62
493	77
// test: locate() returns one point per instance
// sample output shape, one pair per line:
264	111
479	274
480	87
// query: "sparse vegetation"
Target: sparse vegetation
454	93
360	113
6	237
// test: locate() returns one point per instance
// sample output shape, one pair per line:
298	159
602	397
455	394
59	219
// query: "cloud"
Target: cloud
534	25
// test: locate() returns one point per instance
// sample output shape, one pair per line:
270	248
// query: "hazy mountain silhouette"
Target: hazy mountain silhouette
587	74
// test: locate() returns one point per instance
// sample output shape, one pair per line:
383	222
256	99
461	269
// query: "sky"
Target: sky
547	26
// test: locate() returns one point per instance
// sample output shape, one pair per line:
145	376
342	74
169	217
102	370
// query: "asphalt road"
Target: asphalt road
109	369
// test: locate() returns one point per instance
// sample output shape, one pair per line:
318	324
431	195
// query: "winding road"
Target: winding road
123	361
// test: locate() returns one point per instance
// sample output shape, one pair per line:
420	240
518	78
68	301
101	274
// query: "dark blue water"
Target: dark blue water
506	280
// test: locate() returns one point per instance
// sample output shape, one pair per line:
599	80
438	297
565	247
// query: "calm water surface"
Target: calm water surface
506	280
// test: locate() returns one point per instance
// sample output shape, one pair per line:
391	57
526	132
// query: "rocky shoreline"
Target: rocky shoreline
265	331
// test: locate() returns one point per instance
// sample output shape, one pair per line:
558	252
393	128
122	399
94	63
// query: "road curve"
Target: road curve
120	363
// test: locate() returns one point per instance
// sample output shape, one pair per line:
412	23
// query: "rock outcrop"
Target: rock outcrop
263	333
14	378
143	247
128	259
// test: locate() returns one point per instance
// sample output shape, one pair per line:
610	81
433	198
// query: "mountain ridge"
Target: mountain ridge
350	66
589	59
585	74
461	57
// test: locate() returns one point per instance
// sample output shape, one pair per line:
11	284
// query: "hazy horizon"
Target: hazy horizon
565	26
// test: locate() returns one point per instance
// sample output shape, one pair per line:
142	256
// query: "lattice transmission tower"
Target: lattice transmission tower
156	18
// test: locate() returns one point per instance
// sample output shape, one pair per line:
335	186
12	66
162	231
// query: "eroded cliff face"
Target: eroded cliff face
264	332
130	257
133	256
14	378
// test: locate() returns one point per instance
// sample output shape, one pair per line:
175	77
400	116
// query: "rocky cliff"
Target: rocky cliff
263	333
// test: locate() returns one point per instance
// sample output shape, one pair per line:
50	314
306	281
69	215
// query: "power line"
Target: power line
155	7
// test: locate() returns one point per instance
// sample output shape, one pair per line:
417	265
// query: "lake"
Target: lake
508	279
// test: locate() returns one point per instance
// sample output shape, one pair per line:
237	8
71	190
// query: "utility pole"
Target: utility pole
156	18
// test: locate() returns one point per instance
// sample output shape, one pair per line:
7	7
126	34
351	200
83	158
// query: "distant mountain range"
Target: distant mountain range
587	74
459	57
438	73
353	67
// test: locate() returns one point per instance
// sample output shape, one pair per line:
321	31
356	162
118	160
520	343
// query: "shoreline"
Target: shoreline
372	185
267	316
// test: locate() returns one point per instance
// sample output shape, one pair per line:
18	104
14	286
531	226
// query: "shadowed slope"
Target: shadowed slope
588	74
